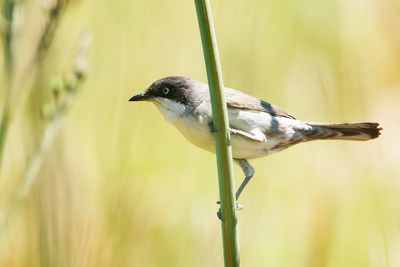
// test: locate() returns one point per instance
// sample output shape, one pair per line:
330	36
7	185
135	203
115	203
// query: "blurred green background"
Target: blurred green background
121	187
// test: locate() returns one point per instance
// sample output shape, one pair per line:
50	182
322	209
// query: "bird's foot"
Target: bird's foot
219	213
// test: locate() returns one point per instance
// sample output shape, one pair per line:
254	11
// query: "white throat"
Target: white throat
170	109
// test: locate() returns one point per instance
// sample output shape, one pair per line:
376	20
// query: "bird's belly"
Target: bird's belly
244	148
200	135
197	133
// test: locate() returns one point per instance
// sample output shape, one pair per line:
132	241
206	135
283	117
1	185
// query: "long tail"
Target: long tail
360	131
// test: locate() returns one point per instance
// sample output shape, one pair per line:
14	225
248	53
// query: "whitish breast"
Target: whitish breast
196	131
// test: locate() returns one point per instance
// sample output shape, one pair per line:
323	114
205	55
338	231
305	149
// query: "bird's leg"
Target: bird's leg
248	171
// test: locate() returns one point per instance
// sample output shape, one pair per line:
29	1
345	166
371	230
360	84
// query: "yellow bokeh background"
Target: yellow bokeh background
121	187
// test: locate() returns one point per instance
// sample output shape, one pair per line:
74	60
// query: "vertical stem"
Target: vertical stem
8	10
5	117
222	137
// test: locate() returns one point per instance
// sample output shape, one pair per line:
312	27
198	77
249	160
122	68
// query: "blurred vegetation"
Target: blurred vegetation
121	187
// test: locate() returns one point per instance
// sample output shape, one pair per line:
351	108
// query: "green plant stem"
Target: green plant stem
222	138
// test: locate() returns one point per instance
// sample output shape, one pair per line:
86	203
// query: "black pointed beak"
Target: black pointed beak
140	97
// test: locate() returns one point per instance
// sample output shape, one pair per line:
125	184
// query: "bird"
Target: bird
257	128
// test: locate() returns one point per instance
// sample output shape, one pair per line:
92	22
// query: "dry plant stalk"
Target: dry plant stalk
54	12
64	91
7	14
9	8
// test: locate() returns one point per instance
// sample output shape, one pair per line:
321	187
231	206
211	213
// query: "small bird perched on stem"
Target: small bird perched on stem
256	127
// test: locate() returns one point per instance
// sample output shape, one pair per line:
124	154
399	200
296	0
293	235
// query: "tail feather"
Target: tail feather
360	131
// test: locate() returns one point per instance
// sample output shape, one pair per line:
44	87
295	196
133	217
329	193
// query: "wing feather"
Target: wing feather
246	134
249	117
237	99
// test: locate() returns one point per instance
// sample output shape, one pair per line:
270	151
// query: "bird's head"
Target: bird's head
175	88
172	95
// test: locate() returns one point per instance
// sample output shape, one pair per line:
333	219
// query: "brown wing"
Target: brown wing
236	99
